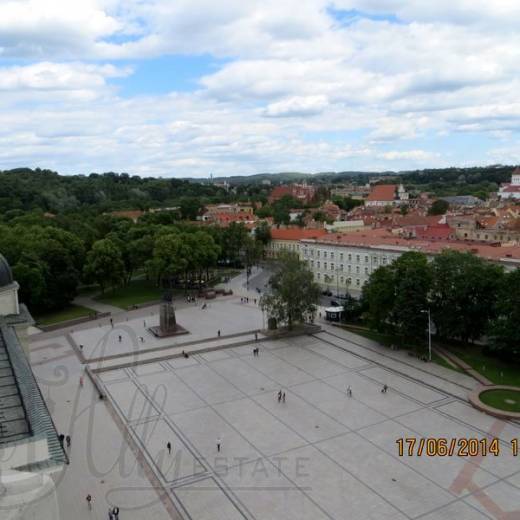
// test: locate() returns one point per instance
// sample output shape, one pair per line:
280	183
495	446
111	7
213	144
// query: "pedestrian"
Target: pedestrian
115	512
384	389
120	338
219	442
279	395
112	322
169	447
81	381
256	336
61	438
81	347
110	515
89	502
283	397
144	324
141	339
67	440
218	333
349	391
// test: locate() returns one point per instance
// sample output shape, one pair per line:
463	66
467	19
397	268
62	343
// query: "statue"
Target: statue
168	325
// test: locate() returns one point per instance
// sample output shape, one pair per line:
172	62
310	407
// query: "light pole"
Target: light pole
429	333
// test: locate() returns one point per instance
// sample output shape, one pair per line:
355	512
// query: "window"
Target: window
341	280
324	254
357	259
325	265
319	276
349	257
318	264
384	260
357	282
375	260
312	252
341	267
318	253
349	268
332	255
349	280
341	256
312	264
357	269
366	270
366	259
332	267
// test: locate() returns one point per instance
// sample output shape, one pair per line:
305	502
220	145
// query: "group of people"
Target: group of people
64	439
281	396
256	351
113	512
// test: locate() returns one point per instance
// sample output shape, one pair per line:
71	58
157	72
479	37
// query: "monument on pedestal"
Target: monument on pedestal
168	325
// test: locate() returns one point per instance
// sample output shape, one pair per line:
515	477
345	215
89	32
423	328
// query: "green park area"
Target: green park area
136	292
70	312
508	400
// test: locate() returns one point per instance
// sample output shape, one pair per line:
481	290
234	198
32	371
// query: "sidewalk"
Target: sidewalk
87	301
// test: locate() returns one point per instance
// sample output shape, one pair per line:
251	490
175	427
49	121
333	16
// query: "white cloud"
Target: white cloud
292	76
297	107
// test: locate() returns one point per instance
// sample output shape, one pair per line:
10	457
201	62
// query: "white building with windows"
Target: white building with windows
345	262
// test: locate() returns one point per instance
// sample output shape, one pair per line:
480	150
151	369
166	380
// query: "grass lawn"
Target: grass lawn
135	293
496	370
508	400
68	313
388	339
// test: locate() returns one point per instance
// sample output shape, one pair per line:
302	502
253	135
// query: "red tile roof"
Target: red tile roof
381	238
384	192
297	233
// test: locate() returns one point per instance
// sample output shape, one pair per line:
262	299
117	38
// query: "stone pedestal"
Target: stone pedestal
168	325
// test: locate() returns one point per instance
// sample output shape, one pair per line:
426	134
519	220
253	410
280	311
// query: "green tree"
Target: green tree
396	295
464	294
504	332
104	264
171	257
439	207
294	294
263	233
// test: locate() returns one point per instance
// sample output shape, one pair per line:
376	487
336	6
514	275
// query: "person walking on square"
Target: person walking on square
61	438
120	338
89	502
384	389
283	397
144	324
256	336
279	395
219	442
169	447
110	514
349	391
112	322
218	333
81	381
67	440
115	512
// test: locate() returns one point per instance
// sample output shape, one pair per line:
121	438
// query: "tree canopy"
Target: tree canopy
294	294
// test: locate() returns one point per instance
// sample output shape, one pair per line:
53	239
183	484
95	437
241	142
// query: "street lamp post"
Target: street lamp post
429	333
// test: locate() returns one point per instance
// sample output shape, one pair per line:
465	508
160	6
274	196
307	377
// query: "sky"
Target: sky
189	88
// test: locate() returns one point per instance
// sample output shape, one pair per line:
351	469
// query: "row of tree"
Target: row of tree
52	257
468	298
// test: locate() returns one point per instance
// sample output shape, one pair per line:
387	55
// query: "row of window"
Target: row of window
330	254
342	280
332	267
